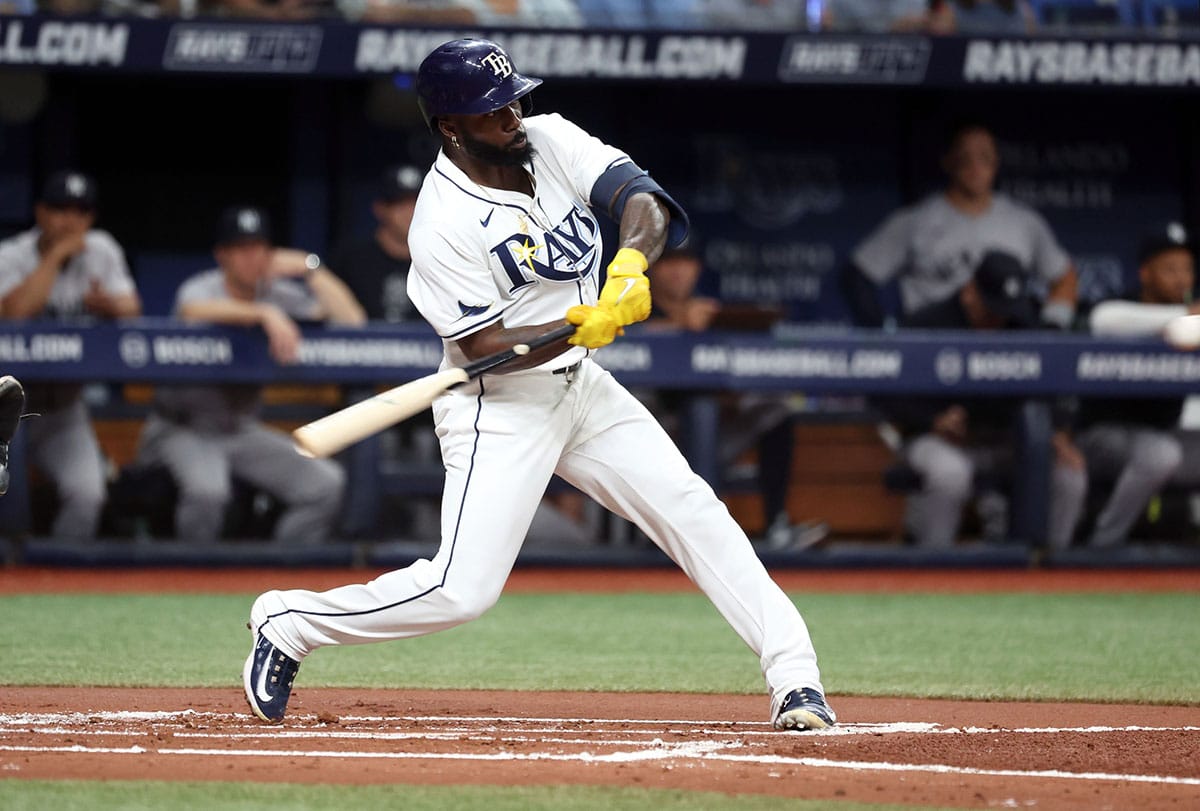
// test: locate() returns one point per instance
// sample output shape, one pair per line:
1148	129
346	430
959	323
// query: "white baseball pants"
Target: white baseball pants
502	438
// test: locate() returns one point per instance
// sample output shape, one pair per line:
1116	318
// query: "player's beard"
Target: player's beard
498	155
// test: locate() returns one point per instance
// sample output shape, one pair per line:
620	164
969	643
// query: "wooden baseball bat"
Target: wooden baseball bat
334	432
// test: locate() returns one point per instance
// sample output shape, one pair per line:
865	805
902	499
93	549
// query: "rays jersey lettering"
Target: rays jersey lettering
566	253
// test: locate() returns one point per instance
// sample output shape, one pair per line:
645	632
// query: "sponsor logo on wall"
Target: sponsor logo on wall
243	48
1137	366
61	42
851	60
1150	64
570	54
54	347
370	352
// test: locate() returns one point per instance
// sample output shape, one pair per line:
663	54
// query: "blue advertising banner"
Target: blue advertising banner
813	360
342	49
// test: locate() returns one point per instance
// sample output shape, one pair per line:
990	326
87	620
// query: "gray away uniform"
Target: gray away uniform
933	248
62	443
206	434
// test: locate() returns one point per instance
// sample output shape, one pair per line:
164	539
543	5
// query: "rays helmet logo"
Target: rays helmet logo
499	63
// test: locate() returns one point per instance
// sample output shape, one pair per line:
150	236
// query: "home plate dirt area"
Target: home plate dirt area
960	754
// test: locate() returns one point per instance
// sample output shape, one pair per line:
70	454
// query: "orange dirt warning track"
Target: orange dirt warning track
955	754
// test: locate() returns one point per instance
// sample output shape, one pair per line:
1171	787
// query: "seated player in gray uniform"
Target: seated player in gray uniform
932	247
1138	443
206	434
959	448
63	268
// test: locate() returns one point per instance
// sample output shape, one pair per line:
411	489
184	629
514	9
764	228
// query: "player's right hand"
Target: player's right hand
595	326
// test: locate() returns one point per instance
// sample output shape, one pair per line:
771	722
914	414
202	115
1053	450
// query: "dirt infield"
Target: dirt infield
946	753
967	755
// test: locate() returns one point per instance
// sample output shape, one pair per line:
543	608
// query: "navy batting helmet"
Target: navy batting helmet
469	77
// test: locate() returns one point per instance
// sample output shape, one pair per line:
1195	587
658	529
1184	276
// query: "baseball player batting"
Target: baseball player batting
506	247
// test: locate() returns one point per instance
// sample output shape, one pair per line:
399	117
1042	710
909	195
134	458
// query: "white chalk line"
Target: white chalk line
701	750
85	723
22	722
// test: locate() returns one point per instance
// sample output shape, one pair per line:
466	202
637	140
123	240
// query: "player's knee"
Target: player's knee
205	495
469	604
1158	456
1070	485
322	483
84	494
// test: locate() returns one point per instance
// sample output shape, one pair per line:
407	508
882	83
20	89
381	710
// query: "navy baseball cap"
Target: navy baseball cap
399	182
243	224
1003	285
70	189
1165	237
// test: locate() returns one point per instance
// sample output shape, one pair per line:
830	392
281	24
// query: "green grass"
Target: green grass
1128	647
70	795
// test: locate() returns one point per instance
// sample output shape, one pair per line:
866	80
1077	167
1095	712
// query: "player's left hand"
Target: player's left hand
595	326
626	293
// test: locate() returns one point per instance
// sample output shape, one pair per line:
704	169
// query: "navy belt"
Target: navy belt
568	370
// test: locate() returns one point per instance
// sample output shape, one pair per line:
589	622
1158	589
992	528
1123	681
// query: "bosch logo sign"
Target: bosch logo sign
948	366
134	349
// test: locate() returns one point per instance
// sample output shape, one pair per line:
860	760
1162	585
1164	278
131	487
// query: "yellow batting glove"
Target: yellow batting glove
595	327
626	293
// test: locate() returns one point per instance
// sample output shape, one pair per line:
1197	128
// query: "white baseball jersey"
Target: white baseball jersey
481	255
101	261
937	247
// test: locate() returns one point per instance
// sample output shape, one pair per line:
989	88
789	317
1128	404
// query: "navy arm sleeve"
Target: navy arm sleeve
613	188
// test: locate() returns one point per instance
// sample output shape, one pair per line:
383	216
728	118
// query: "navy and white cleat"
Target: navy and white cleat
267	676
803	709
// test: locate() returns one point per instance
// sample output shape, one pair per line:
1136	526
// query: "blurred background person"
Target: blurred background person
1137	443
875	16
643	14
375	267
65	268
932	247
273	9
529	13
962	449
411	12
1016	17
205	435
756	15
748	419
